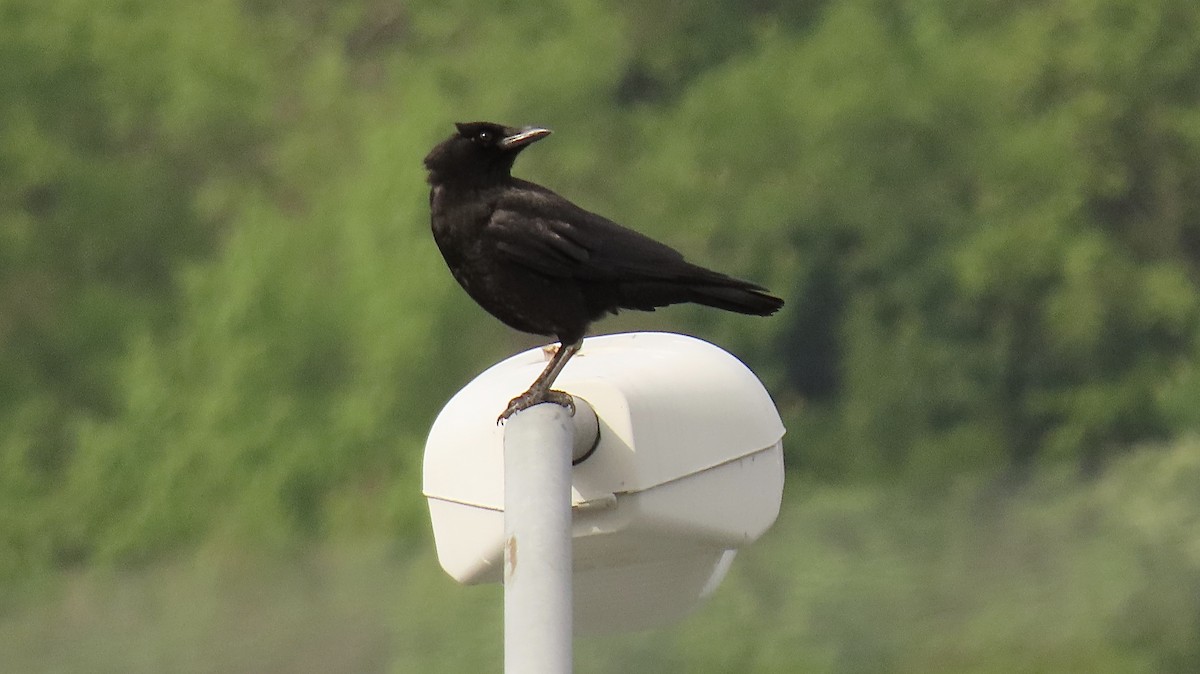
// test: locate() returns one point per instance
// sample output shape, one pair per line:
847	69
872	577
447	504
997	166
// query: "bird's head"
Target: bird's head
479	152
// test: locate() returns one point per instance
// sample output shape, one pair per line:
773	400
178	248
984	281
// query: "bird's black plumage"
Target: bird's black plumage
543	265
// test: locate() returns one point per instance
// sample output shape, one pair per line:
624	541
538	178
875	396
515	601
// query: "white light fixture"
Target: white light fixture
688	469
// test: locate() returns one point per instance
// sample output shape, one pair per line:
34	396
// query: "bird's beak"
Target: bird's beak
523	137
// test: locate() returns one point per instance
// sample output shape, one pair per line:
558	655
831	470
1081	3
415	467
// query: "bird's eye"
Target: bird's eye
484	137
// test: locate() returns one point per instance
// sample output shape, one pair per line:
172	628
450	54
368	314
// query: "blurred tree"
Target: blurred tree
103	147
115	117
990	260
221	313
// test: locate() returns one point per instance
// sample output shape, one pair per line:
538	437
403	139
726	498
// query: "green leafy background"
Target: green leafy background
225	329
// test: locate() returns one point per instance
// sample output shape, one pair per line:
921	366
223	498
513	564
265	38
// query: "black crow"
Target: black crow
543	265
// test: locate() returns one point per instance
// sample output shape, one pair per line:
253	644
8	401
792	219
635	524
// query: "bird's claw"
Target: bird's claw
530	398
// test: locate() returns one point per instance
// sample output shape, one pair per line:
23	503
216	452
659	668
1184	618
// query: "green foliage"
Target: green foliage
988	258
223	321
115	120
1052	577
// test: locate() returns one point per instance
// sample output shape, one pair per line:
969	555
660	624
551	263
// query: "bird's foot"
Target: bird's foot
530	398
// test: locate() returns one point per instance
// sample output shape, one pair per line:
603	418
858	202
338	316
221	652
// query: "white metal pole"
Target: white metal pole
537	540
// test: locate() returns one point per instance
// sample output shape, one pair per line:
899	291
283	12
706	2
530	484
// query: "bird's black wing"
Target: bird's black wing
541	230
538	229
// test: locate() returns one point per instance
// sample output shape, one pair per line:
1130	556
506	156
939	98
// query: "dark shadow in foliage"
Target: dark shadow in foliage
675	43
812	350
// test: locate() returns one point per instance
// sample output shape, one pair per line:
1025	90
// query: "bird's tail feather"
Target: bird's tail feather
712	289
743	299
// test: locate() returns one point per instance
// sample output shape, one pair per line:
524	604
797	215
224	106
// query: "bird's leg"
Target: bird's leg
540	391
